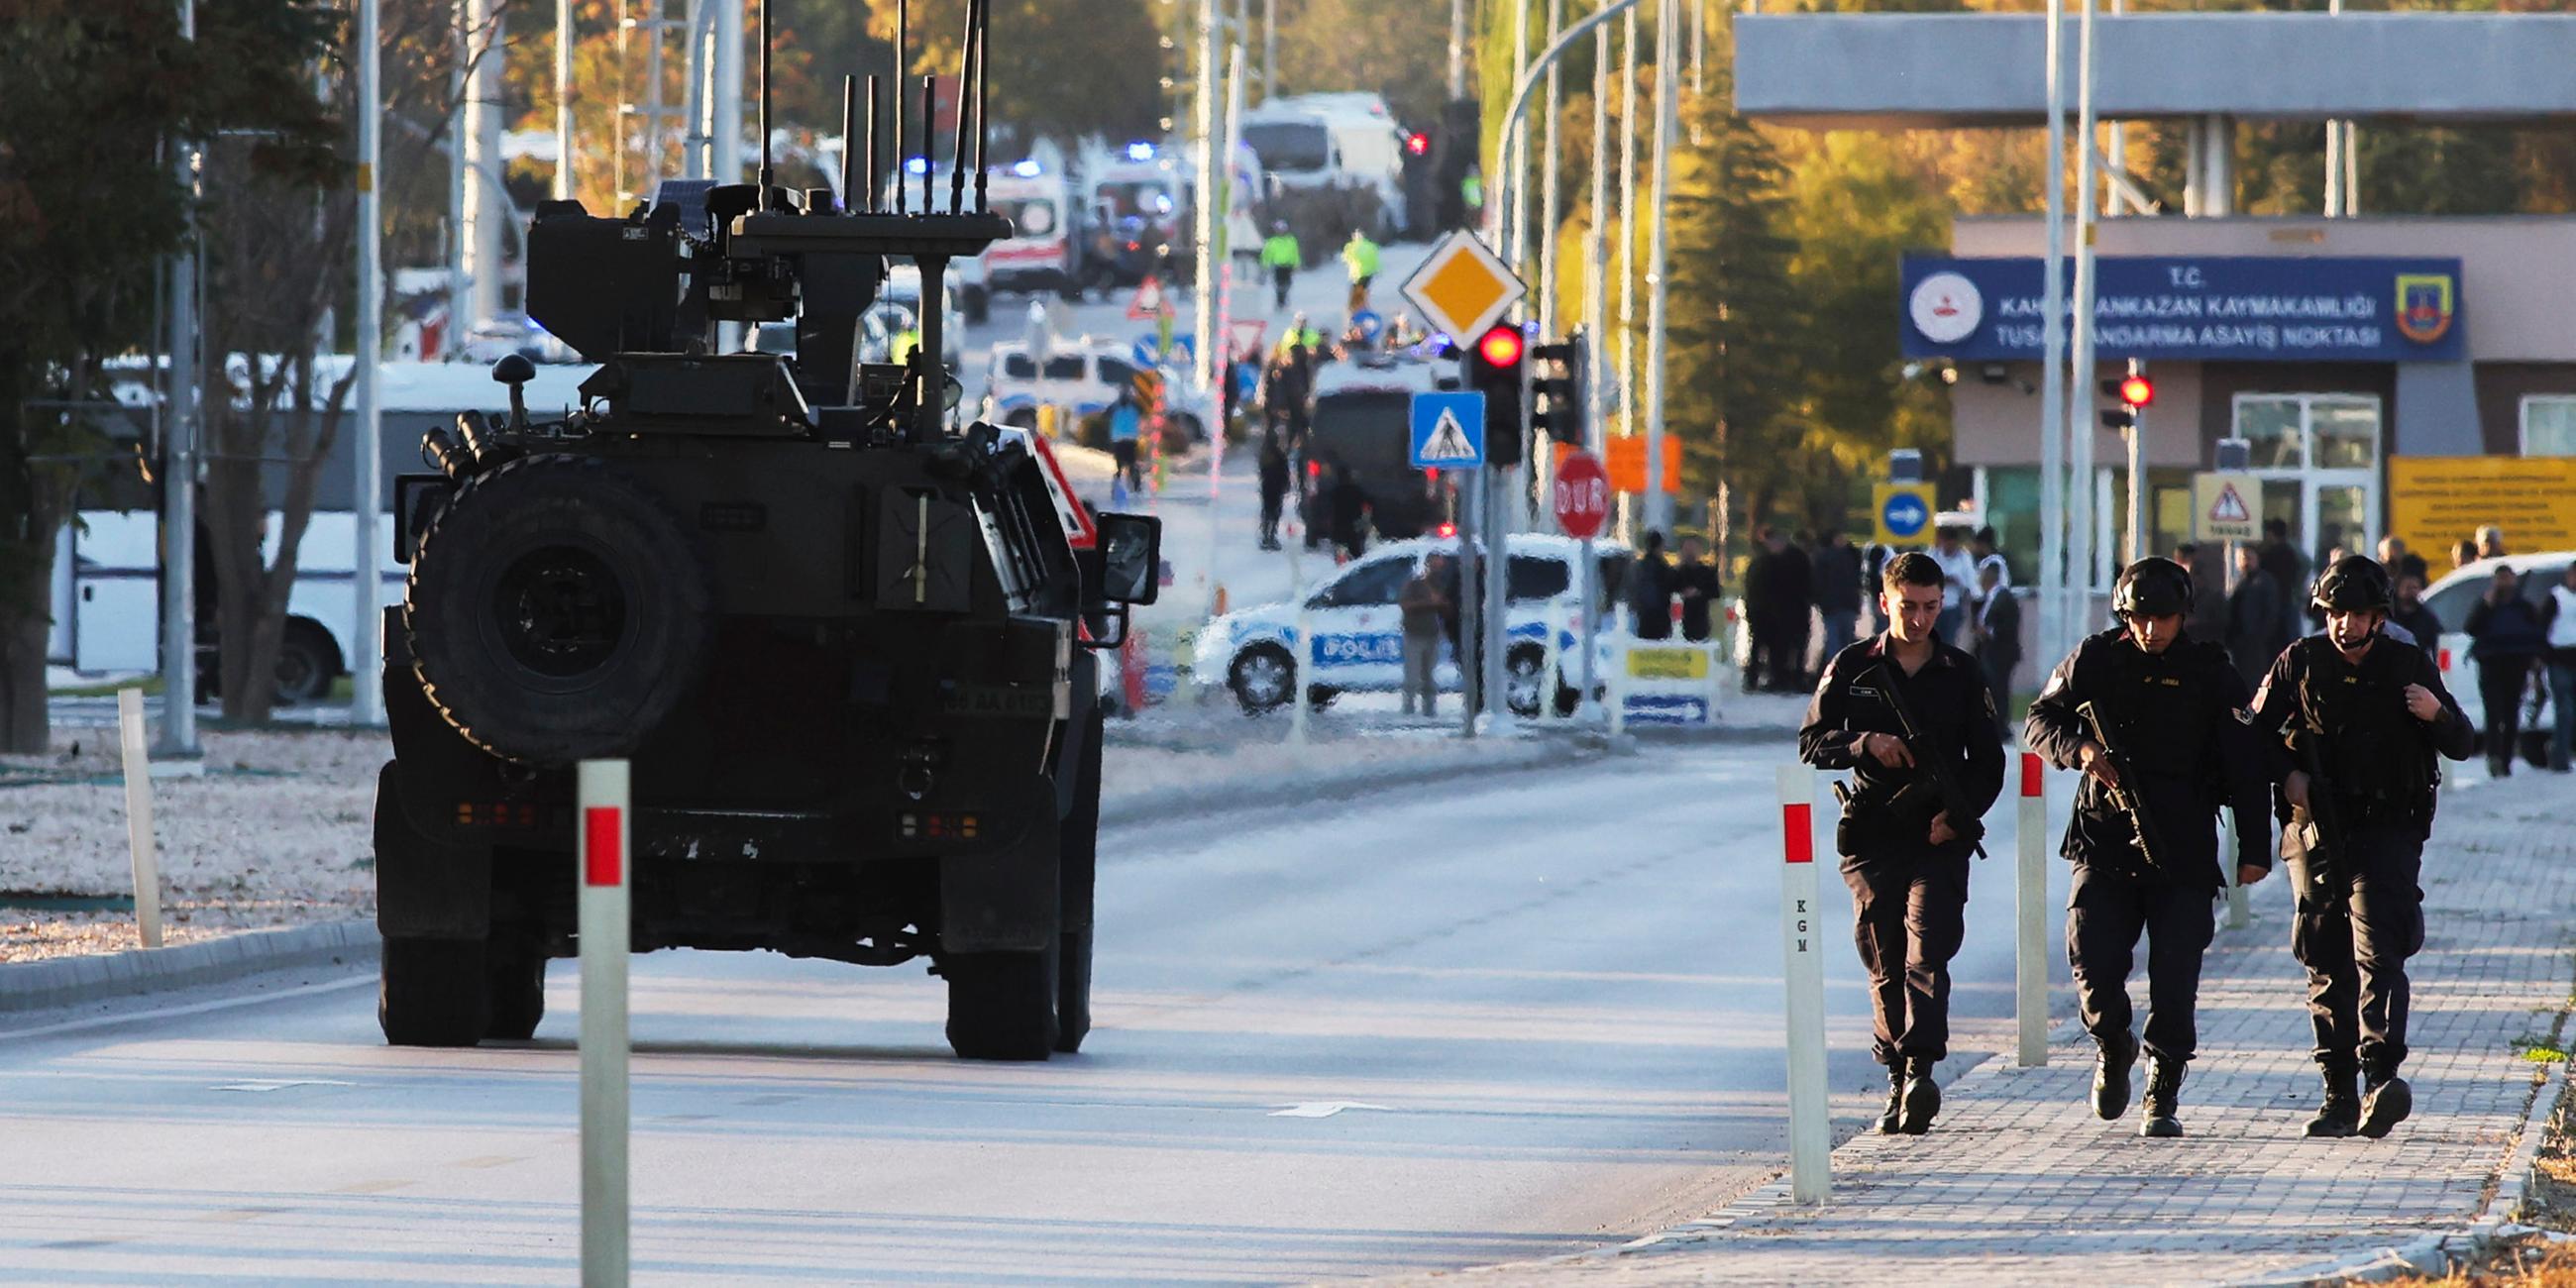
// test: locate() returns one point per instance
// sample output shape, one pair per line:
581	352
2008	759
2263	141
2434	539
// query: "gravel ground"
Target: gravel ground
277	832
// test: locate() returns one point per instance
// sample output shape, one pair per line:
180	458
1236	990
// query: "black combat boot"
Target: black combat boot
1922	1100
2341	1112
2385	1103
2164	1096
2111	1064
1891	1121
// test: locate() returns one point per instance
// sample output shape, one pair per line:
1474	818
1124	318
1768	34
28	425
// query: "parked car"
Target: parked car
1359	632
1083	377
2453	596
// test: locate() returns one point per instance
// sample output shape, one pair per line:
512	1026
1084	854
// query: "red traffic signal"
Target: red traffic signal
1417	143
1501	346
2137	391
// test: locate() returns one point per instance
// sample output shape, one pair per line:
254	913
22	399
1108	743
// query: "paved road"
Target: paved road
1568	1032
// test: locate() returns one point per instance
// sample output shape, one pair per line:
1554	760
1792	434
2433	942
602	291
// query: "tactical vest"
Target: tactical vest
2373	750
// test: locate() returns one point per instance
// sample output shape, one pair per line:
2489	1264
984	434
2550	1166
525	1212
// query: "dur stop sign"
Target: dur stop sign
1582	495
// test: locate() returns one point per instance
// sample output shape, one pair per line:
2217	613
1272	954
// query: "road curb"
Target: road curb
75	981
1166	804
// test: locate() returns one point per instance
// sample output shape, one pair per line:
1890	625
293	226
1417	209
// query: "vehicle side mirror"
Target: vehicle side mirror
1131	558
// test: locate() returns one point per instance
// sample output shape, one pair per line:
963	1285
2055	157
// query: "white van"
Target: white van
107	567
1333	141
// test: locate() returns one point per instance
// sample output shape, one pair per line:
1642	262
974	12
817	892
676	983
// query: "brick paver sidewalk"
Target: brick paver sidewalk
2019	1183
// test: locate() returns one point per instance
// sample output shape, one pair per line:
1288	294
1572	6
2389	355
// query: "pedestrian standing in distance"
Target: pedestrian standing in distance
1998	635
1425	618
2359	722
1838	582
2392	555
2413	616
2558	615
1274	480
2507	639
1360	257
1761	573
1696	582
1873	570
1958	582
1793	605
1470	669
2288	570
2491	542
2253	618
2207	623
2152	719
1650	590
1126	430
2463	553
1904	839
1283	257
1988	551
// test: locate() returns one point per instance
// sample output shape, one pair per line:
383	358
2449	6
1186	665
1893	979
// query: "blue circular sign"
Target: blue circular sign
1369	325
1905	515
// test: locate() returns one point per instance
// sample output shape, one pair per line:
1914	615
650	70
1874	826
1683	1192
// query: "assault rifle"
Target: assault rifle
2329	863
2129	797
1940	772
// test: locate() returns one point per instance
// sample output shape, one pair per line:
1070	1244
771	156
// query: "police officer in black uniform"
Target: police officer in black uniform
1904	842
2361	719
2171	709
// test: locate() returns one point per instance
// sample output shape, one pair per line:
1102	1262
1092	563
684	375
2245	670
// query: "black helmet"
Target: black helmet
2152	587
2355	584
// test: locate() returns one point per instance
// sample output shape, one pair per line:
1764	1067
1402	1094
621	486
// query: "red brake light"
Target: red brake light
1501	346
2137	391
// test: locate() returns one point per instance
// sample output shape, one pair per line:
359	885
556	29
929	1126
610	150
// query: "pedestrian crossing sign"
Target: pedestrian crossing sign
1448	431
2223	505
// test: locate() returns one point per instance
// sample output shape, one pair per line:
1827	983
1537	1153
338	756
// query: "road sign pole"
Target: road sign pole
2052	396
138	816
1584	608
1471	616
2030	916
1498	624
603	927
1803	970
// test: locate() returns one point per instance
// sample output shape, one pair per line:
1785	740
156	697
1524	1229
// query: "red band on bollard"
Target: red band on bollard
2030	770
2446	661
1798	834
599	865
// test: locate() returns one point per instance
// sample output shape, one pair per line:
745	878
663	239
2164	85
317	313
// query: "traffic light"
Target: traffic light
1418	143
2134	391
1492	367
1558	396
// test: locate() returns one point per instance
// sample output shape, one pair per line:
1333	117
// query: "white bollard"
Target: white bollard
138	816
602	849
1614	688
2450	773
1803	970
2030	915
1306	655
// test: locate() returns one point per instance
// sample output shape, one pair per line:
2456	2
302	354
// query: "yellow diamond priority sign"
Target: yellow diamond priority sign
1462	287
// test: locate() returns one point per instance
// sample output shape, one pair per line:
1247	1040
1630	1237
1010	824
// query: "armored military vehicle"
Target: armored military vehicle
845	643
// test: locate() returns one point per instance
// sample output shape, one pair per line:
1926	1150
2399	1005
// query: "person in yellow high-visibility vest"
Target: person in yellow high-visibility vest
1360	256
1283	257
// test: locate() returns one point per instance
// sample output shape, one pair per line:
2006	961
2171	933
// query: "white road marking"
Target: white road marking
281	1084
1322	1109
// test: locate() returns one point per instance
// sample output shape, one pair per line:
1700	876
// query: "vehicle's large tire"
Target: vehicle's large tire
1524	676
1078	854
1262	678
1001	1006
557	611
433	992
515	976
307	661
1072	990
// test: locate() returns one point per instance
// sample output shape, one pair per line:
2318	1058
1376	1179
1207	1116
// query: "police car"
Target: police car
1358	628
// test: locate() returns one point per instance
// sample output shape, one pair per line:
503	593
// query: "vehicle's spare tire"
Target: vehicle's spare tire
557	611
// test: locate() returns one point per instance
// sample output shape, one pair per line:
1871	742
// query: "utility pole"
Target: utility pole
179	473
1270	50
2052	398
1457	52
724	153
366	495
563	100
487	206
1204	232
1596	249
1628	256
1659	508
1539	466
2080	417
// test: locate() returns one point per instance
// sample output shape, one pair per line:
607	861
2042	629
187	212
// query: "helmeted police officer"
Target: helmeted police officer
2171	710
1904	839
2360	721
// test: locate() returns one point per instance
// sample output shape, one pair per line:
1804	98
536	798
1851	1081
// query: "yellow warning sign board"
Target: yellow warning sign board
2226	506
1463	288
2434	501
1647	662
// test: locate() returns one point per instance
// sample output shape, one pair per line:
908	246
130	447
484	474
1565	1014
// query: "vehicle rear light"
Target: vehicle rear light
1448	529
496	814
1314	468
939	826
1433	473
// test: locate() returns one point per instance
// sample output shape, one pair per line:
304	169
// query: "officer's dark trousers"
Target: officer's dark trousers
2355	948
1910	912
2105	912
